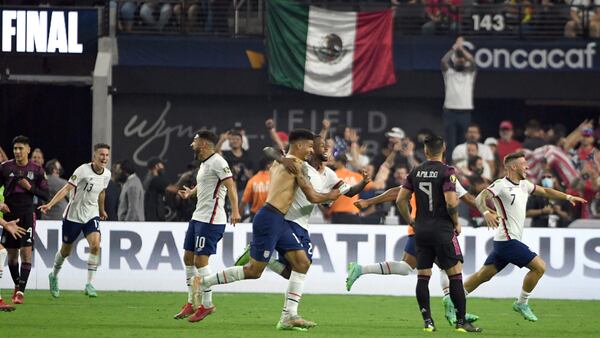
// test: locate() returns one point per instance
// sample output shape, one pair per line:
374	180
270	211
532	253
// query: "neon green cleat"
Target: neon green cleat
53	285
244	258
90	290
354	271
429	326
525	311
449	310
471	318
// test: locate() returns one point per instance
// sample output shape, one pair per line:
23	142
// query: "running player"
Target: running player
22	180
409	261
510	196
271	232
436	227
87	189
207	225
16	232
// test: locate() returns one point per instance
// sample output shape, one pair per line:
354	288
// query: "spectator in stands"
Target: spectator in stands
356	157
587	161
546	213
54	170
534	135
149	10
195	15
279	138
473	165
473	135
224	146
185	207
459	70
257	189
493	144
578	10
37	157
126	14
507	144
155	187
111	199
443	16
239	160
343	211
398	151
131	200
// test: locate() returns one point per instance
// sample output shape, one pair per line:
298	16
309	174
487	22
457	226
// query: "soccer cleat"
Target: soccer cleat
244	258
429	326
467	327
90	290
201	313
295	323
6	307
525	311
53	285
354	271
186	311
18	298
471	318
449	310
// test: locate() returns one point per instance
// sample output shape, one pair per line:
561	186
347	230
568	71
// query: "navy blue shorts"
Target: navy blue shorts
202	238
411	247
302	235
270	232
71	230
512	251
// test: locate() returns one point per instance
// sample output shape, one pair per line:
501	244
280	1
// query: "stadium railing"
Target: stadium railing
246	18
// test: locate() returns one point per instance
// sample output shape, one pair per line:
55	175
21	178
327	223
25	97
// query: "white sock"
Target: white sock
190	271
92	267
206	293
387	268
226	276
276	266
293	293
3	254
58	262
445	283
523	297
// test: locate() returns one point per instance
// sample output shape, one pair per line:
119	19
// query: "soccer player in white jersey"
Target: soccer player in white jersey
87	188
206	228
510	196
409	259
16	232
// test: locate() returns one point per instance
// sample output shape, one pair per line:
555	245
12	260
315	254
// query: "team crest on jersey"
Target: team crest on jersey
73	178
453	178
30	175
227	170
266	254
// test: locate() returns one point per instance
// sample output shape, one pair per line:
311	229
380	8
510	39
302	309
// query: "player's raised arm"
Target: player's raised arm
557	195
481	204
229	183
402	201
59	196
389	195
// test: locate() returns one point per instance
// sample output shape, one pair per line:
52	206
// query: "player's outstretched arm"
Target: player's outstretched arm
557	195
235	217
481	204
358	187
60	195
389	195
402	201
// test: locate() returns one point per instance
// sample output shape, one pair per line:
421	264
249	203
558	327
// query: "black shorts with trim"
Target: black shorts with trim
445	255
27	222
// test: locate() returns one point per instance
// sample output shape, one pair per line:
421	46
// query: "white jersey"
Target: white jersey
301	207
83	200
210	191
510	200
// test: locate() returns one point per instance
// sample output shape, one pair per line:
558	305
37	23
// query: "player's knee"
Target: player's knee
541	267
301	266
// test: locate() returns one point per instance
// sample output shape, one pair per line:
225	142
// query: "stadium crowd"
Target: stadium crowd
565	160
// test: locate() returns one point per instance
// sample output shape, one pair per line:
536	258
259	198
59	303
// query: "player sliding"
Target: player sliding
409	260
87	188
16	232
271	232
510	196
207	225
436	227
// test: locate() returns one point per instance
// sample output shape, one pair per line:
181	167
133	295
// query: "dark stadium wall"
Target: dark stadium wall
57	119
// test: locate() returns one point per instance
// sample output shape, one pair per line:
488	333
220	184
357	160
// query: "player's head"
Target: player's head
21	147
320	149
301	143
101	154
516	163
434	146
204	139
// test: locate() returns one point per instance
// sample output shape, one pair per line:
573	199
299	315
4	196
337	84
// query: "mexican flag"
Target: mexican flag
329	53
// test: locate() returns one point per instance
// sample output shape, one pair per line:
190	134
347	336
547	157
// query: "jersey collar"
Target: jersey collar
508	179
206	159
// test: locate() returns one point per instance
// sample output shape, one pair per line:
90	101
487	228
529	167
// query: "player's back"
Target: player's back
282	187
429	181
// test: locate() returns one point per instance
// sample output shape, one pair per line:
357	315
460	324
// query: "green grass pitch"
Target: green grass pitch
147	314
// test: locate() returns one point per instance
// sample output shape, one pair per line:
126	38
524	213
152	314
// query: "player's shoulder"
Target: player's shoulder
329	172
217	160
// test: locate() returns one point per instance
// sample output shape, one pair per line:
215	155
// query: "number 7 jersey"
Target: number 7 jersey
510	199
83	200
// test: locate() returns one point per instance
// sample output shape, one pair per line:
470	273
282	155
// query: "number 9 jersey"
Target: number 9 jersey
83	200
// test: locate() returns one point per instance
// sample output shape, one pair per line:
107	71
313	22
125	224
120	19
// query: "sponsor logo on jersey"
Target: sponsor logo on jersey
266	254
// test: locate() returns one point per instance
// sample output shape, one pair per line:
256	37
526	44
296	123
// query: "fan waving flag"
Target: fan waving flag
329	53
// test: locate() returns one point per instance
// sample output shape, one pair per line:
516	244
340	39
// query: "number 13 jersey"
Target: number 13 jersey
83	199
